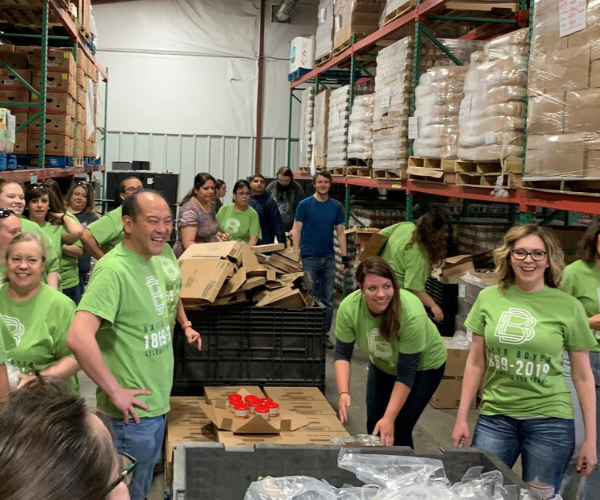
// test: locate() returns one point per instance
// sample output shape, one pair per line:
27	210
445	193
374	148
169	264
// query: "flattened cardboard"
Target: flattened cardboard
202	279
322	423
374	247
279	263
295	394
293	301
274	247
231	250
456	360
221	392
290	255
234	284
308	407
249	260
229	300
283	257
267	297
229	439
253	282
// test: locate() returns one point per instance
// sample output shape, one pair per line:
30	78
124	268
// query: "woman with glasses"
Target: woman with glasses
520	329
64	230
81	203
53	447
238	220
37	316
10	226
13	198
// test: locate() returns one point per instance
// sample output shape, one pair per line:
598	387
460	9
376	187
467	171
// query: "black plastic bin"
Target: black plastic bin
445	296
203	471
247	345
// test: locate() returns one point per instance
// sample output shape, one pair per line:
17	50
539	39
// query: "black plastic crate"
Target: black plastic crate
208	470
244	345
445	296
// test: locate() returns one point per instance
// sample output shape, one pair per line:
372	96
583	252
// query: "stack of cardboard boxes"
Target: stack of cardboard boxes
337	133
324	37
307	109
564	96
355	16
393	84
447	395
319	134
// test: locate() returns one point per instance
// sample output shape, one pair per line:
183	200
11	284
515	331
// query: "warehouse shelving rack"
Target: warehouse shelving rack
65	32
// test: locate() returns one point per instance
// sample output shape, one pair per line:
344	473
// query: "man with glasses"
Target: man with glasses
103	235
122	337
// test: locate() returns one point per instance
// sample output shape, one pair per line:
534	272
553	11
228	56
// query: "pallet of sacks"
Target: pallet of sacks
337	132
307	109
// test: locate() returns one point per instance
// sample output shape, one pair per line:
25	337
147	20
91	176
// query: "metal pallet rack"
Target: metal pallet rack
67	33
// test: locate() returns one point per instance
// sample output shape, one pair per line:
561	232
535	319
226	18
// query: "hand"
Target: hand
588	459
24	379
385	430
193	337
223	236
125	399
344	269
594	322
438	315
344	403
56	218
300	265
461	435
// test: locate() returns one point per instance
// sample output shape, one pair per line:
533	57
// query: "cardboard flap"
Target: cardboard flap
249	260
223	250
374	246
202	279
274	247
286	426
234	283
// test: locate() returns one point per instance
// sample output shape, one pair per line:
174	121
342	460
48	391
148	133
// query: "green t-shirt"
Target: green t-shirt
582	281
525	335
39	326
172	280
128	293
7	342
411	266
69	271
52	258
354	323
240	226
108	230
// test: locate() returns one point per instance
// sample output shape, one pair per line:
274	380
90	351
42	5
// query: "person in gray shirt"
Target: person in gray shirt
287	193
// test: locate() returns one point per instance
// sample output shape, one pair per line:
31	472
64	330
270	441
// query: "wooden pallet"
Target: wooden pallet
511	165
322	60
436	175
509	180
574	186
320	162
25	14
400	11
443	164
358	171
343	46
78	162
388	174
304	170
338	172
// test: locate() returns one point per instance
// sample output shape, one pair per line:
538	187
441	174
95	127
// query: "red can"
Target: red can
265	401
263	411
241	411
273	409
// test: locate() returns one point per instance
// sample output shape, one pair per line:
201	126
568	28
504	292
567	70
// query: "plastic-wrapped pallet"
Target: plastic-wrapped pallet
564	97
307	109
438	98
319	133
391	108
324	36
469	287
433	57
492	115
337	134
355	16
395	8
360	131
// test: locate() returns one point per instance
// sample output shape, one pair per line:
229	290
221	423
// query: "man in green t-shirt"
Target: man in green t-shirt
107	232
121	335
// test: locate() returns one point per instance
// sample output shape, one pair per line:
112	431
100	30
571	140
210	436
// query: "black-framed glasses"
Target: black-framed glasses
134	189
536	255
128	465
5	212
82	183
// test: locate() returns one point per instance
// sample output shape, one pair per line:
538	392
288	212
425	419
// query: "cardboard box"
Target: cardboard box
15	96
282	297
568	70
15	60
308	407
8	80
55	124
80	113
555	155
231	250
89	149
56	82
456	360
22	142
221	392
57	60
374	247
546	113
202	278
448	395
322	423
285	438
275	247
57	102
582	111
280	394
61	145
302	53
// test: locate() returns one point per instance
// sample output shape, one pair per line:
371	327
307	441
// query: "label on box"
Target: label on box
413	127
490	137
301	143
464	114
7	82
461	291
572	16
336	119
385	97
337	24
313	137
323	14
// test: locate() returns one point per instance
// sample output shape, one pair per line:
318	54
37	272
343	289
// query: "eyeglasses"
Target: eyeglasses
536	255
134	189
5	212
128	465
82	183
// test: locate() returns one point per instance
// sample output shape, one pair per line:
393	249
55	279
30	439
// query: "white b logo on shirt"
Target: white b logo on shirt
171	271
516	326
156	293
378	345
232	226
15	327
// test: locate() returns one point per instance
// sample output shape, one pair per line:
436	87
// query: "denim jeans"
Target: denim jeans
545	444
74	293
143	442
573	487
379	390
322	272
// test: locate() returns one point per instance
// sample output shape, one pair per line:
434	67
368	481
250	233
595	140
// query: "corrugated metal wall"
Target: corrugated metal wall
227	158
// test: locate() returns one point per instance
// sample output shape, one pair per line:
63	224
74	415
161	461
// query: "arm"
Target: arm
192	335
594	322
428	301
62	369
188	236
342	358
81	340
583	379
341	237
474	371
53	279
91	245
73	230
72	251
296	233
4	389
253	241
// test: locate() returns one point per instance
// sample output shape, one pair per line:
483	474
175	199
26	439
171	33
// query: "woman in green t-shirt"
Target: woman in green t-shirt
520	329
413	250
37	315
44	208
238	220
406	353
581	279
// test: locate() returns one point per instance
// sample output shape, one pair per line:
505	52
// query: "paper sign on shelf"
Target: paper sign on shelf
464	115
313	137
337	24
413	127
572	16
336	119
385	97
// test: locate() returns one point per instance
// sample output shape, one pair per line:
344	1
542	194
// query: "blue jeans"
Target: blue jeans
379	390
573	487
545	444
143	442
73	293
322	272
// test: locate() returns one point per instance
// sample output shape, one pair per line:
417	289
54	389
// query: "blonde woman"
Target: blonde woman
520	329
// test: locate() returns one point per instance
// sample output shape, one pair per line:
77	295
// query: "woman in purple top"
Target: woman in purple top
197	221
